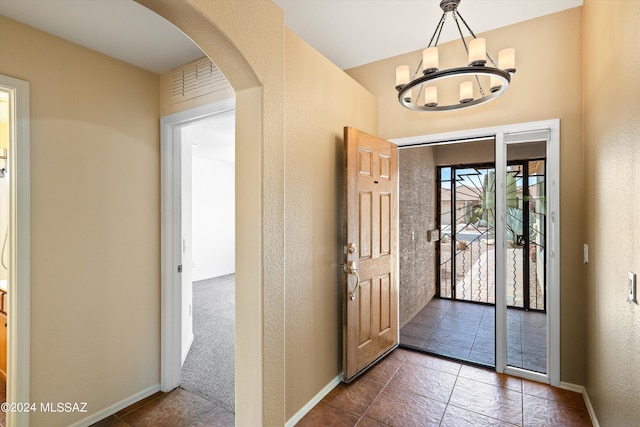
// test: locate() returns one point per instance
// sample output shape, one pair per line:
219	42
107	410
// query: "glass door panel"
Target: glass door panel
465	290
525	241
467	256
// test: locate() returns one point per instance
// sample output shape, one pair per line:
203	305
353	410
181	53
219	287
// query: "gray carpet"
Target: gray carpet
209	369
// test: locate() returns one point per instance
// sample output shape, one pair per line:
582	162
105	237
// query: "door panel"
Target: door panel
371	264
365	313
365	224
385	224
385	303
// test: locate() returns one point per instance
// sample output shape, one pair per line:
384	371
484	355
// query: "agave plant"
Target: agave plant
515	236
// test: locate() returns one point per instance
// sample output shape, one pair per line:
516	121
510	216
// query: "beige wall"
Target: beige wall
314	214
612	190
547	85
94	222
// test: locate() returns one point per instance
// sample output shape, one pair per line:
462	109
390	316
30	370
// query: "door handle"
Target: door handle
353	269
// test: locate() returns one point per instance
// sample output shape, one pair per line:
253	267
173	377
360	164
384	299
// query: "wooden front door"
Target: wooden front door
371	325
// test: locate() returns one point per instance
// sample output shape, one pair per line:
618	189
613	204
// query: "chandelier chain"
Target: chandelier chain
464	42
438	30
480	86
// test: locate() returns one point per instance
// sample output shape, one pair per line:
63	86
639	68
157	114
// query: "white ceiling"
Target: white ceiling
348	32
121	29
357	32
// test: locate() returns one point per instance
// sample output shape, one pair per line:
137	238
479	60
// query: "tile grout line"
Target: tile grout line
382	390
361	416
446	406
207	414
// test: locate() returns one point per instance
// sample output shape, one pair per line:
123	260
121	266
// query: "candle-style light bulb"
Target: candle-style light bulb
466	92
431	96
507	60
430	60
402	76
477	51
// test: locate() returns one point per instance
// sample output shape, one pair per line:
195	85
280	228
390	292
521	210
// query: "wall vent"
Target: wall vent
198	78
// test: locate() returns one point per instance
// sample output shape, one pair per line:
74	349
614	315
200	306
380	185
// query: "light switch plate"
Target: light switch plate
434	235
632	288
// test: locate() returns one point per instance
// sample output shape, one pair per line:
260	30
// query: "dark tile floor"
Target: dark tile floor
406	389
409	388
178	408
466	331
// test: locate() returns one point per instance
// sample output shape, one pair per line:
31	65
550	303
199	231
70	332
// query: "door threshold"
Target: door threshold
445	357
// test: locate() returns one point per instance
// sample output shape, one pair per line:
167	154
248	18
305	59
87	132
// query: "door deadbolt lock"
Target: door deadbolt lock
352	248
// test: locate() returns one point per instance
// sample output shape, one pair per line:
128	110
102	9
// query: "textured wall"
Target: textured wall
314	212
417	217
612	190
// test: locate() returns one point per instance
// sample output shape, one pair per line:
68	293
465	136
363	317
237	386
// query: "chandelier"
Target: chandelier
420	92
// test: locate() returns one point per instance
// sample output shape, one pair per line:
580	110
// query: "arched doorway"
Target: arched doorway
258	80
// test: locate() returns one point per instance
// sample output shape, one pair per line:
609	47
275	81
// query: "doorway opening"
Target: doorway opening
198	186
15	143
493	290
208	258
467	260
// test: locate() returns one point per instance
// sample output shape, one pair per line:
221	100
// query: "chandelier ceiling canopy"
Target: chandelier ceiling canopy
477	81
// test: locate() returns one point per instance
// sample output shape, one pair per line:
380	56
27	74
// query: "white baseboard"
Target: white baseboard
313	402
580	389
572	387
106	412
